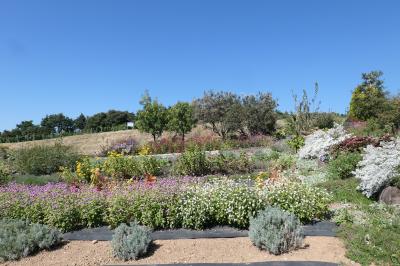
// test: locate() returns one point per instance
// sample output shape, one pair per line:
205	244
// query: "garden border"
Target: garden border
103	233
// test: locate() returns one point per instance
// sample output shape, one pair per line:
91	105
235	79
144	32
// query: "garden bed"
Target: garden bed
221	250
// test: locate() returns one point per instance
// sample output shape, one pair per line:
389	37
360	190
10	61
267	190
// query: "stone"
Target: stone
390	195
94	242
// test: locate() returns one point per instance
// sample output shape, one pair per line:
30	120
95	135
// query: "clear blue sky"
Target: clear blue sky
91	56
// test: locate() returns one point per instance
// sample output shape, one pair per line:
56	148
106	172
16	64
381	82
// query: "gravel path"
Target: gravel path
217	250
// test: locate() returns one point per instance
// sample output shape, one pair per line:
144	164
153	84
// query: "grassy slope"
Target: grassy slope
91	144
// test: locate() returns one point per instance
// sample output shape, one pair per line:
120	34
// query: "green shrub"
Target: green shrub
192	162
343	165
20	238
44	160
306	202
130	242
323	120
36	180
276	231
5	173
150	165
296	142
230	164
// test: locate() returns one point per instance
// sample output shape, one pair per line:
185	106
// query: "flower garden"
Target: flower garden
198	191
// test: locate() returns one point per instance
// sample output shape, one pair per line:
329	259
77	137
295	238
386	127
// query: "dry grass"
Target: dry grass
91	144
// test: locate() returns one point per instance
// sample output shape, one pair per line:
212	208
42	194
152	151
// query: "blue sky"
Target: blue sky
89	56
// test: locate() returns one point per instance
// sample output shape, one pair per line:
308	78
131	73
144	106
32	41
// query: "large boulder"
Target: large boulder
390	195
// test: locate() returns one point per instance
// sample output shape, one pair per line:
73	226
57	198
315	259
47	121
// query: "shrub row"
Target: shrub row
167	203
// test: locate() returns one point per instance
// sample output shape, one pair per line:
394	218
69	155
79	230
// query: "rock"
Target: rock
94	242
390	195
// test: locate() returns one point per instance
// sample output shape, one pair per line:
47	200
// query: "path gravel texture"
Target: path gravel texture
216	250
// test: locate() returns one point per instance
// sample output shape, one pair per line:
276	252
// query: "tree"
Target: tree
80	122
57	123
152	118
181	119
221	111
368	98
260	113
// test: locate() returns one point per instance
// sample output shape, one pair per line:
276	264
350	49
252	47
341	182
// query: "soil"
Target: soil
221	250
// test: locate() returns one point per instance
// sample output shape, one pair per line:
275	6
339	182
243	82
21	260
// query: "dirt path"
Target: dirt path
221	250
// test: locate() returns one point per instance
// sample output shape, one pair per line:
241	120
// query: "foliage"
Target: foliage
36	180
371	234
121	167
57	123
368	98
20	238
101	122
229	163
44	160
318	143
323	120
152	118
222	111
296	142
306	202
343	165
356	143
166	203
130	242
181	119
345	191
276	231
378	167
260	115
219	202
301	121
5	173
192	162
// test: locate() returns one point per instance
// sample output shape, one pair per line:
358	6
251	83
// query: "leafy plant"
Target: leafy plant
152	118
276	231
192	162
20	238
343	165
44	160
130	242
296	142
306	202
181	119
5	173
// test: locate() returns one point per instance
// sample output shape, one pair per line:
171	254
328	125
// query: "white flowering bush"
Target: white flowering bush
378	167
220	202
304	201
318	144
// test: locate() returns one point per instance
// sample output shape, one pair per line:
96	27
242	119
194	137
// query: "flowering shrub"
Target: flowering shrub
356	143
318	144
126	147
219	202
378	167
306	202
167	203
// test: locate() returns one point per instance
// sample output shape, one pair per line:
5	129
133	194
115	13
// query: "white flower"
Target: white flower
318	143
378	166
